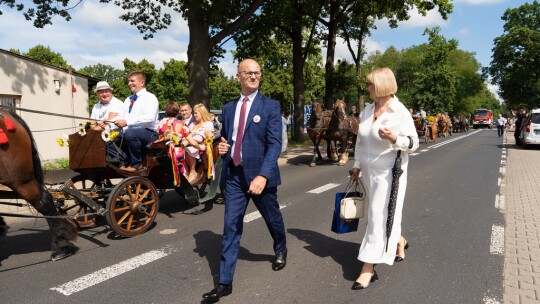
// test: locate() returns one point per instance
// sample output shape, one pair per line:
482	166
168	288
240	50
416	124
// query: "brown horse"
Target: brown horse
317	126
343	128
21	171
444	125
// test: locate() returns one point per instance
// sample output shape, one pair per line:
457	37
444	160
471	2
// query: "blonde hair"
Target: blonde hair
384	81
205	114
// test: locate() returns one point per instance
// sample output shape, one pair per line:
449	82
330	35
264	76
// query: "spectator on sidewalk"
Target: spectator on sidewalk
519	122
501	122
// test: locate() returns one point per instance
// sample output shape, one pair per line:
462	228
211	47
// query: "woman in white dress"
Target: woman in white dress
385	127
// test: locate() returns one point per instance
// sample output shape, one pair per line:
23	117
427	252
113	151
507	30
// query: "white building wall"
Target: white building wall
34	84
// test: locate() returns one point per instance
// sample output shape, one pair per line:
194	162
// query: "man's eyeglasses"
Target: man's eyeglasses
249	74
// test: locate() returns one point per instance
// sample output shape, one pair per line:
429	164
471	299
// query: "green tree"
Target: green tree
46	55
515	65
172	82
344	84
115	78
355	19
209	22
103	72
223	89
293	21
469	82
435	84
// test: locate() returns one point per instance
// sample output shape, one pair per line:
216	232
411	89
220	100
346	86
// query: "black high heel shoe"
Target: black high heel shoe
358	285
401	258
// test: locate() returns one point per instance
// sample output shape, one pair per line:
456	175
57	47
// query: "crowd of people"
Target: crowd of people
136	120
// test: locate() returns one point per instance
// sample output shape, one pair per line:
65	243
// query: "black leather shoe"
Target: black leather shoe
280	261
219	291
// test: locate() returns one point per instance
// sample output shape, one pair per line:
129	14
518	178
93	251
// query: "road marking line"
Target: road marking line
499	181
452	140
111	271
500	202
256	214
497	240
413	154
424	150
323	188
488	300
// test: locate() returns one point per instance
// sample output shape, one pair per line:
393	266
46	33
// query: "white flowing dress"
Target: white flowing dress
375	158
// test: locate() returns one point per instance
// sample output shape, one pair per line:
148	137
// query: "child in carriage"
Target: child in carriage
175	131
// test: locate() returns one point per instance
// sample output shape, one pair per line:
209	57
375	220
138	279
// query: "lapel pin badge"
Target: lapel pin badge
256	119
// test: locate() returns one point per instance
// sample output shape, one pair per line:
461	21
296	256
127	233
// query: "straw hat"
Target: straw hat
102	85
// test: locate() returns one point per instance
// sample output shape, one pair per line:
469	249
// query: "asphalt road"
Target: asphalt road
448	219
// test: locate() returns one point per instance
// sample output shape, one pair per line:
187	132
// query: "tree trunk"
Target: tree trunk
298	85
359	77
330	55
198	60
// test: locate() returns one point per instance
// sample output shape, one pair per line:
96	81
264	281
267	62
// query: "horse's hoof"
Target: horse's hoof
64	252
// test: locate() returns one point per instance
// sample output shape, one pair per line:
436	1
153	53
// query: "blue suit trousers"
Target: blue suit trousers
236	201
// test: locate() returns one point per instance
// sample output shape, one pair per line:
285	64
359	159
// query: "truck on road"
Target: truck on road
482	118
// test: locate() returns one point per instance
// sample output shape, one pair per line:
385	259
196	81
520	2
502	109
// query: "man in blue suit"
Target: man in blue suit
250	148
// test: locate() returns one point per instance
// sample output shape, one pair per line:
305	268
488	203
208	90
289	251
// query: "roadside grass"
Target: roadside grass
56	164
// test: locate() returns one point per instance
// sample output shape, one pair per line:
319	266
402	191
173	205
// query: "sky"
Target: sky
97	35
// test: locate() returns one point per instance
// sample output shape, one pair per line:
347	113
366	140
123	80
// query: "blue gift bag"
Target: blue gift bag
340	225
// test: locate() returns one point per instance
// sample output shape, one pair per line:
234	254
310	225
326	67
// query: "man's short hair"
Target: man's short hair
184	103
139	74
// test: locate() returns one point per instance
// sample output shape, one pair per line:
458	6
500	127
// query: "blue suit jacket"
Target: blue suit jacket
261	144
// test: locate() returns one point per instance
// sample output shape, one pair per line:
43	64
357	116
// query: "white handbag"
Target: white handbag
352	207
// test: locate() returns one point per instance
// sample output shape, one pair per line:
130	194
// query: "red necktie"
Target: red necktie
240	133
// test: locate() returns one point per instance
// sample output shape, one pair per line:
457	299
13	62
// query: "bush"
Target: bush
56	164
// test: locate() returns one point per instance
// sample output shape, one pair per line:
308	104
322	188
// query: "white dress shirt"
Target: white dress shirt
144	113
237	117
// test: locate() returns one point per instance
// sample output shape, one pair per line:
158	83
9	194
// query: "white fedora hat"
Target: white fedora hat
102	85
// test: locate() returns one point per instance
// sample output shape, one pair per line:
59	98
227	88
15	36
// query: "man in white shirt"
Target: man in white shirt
108	108
186	112
140	115
501	122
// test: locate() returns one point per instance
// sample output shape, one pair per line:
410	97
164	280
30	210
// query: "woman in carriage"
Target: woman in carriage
203	125
175	131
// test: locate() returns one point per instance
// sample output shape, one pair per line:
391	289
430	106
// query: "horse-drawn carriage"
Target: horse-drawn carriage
426	130
128	201
129	206
461	124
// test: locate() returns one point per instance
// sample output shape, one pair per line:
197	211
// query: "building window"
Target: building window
9	101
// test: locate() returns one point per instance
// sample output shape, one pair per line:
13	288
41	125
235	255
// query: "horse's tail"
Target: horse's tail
38	170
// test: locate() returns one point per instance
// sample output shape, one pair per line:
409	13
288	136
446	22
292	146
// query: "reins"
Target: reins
45	113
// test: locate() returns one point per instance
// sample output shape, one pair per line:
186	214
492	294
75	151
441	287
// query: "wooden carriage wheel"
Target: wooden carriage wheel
74	209
132	206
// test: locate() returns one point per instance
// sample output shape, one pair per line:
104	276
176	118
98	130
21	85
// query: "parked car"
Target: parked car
530	130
